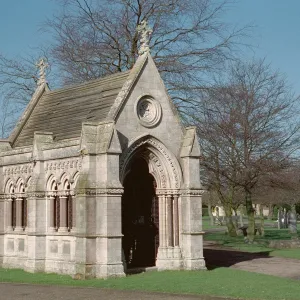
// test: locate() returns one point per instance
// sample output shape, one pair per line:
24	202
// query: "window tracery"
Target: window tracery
16	206
62	204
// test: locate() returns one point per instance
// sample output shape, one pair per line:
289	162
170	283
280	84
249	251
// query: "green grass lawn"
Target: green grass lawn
206	223
218	282
260	245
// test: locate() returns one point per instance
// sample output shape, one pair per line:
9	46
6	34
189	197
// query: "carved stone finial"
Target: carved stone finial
42	65
144	32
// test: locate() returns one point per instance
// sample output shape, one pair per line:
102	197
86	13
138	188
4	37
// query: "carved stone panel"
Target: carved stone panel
148	111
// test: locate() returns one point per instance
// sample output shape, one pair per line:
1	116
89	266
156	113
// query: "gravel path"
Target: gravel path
217	256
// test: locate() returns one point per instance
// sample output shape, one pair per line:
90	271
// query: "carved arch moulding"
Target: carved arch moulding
163	165
15	175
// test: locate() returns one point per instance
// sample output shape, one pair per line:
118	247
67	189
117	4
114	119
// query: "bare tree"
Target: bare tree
210	199
18	78
93	38
189	40
284	189
250	118
8	116
17	83
218	159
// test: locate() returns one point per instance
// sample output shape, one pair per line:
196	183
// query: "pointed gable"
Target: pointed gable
63	111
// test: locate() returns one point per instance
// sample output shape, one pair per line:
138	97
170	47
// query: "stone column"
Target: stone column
98	200
170	220
161	261
52	215
109	243
9	215
37	225
73	199
109	260
19	214
191	203
161	233
3	224
63	225
176	222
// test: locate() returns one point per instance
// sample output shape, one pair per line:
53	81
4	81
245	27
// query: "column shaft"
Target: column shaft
170	220
63	226
176	221
52	214
73	199
19	214
9	215
160	209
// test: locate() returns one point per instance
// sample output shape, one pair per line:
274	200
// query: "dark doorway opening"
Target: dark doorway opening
140	217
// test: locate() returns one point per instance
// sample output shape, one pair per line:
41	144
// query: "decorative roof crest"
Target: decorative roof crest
144	32
42	65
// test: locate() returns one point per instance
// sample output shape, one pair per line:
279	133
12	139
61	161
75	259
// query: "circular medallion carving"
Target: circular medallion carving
148	111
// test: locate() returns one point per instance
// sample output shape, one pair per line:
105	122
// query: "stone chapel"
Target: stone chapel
101	177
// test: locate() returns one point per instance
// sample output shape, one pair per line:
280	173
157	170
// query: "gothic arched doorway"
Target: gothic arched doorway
140	216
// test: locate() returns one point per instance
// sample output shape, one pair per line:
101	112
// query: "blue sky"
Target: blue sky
276	35
20	21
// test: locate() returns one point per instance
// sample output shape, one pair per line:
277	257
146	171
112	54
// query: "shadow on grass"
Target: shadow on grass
218	258
275	234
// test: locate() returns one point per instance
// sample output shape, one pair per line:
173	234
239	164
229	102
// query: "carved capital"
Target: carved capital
192	192
99	191
34	195
167	192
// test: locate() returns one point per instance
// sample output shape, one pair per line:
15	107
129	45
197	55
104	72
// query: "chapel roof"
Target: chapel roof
62	111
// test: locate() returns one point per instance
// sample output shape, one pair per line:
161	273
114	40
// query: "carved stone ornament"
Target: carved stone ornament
63	165
192	192
30	195
42	65
144	32
99	191
148	111
18	170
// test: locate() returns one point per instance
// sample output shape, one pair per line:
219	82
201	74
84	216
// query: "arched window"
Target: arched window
69	207
13	207
20	207
66	205
23	207
61	204
55	214
54	203
16	206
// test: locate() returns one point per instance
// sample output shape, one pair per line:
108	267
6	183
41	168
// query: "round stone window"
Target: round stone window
148	111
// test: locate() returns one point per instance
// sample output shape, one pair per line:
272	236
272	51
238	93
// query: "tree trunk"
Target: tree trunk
262	221
279	224
236	221
241	215
293	221
251	220
271	212
229	223
211	217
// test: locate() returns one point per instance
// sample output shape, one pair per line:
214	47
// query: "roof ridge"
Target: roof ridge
88	82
